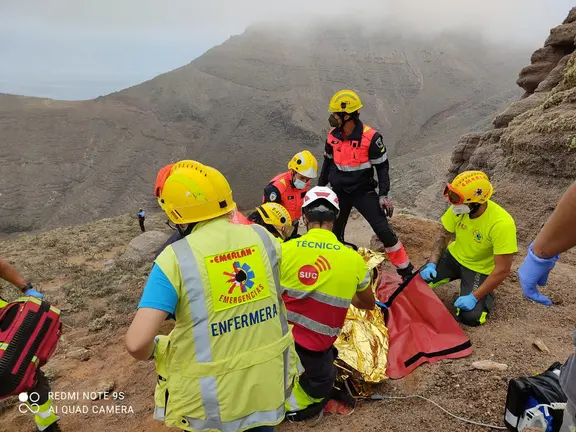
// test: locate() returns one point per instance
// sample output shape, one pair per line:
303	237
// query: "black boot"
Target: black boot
407	272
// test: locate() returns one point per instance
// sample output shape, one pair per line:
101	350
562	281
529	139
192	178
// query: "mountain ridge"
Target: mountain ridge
245	106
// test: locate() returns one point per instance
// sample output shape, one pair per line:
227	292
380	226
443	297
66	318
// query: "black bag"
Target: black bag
545	388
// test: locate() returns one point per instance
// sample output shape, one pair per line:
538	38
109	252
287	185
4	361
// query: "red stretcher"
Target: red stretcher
420	328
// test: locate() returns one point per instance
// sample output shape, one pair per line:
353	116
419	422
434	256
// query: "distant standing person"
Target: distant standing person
141	218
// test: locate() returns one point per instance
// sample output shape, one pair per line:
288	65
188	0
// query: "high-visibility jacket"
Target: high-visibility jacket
290	197
319	277
230	361
353	155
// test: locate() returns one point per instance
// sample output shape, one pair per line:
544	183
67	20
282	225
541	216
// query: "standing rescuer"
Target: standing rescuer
229	363
289	188
320	278
483	248
353	151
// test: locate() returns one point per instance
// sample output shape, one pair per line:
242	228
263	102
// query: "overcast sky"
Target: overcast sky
78	49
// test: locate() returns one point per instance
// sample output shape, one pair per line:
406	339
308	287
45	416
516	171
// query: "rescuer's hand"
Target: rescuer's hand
386	205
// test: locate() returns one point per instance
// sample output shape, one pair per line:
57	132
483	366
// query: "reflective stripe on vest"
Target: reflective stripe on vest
321	297
398	256
193	286
362	166
326	299
291	198
315	326
240	424
159	413
351	155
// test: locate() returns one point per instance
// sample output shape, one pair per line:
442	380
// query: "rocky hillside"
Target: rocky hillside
96	272
531	150
246	106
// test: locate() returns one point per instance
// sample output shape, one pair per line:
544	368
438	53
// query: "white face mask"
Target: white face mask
299	184
460	209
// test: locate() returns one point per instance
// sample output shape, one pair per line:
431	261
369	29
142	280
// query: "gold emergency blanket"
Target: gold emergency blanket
363	343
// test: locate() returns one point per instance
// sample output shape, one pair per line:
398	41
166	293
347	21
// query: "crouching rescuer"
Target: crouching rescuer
483	248
353	151
290	187
321	278
229	363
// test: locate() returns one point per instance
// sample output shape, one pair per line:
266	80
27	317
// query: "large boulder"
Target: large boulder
463	150
544	60
555	76
519	107
144	246
563	35
571	16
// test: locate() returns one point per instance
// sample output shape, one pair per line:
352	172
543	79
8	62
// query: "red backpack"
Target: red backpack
29	332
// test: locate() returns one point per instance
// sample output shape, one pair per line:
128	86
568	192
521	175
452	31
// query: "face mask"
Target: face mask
334	121
299	184
460	209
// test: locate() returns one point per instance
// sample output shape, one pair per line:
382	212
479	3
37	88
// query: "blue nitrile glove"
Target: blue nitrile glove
534	271
32	292
428	273
466	303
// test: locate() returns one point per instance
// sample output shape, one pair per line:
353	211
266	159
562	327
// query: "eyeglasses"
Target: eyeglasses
453	196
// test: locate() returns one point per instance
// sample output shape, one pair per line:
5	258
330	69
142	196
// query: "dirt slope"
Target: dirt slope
98	298
245	107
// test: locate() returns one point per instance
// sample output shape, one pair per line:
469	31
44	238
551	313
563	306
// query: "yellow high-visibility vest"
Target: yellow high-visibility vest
230	361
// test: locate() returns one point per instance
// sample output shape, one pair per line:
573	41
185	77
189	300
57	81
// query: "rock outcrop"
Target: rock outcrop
531	152
144	246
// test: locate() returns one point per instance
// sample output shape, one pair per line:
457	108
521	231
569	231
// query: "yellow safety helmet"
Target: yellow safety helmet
345	101
194	192
469	187
274	214
304	163
277	216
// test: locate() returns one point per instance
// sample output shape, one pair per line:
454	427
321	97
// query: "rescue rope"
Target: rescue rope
382	397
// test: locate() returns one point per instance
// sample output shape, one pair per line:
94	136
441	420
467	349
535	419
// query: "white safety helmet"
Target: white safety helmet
321	193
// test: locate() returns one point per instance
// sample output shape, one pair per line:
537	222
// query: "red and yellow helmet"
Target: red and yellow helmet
469	187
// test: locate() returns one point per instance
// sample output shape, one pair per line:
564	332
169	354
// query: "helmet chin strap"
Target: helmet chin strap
474	207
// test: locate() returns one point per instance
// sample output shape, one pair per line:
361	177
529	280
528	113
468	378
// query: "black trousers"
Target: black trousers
448	269
141	222
367	203
319	371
